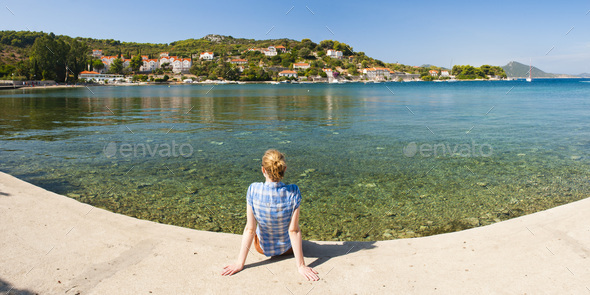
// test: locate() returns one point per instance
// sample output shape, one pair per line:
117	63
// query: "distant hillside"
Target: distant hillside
428	66
517	70
584	75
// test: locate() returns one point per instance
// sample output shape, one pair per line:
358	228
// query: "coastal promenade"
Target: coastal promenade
51	244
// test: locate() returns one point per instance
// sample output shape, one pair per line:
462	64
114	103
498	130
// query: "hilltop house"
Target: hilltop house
334	53
206	55
301	65
281	48
270	51
289	74
96	52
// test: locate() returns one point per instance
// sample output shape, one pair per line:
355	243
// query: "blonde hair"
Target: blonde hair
274	164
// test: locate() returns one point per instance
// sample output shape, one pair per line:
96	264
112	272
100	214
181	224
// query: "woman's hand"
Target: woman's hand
229	270
309	273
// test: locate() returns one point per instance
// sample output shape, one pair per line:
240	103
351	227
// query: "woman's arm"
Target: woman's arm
248	236
295	236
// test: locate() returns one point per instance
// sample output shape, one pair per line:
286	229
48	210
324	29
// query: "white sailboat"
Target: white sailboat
530	78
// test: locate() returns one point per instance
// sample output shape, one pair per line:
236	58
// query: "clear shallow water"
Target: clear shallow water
375	161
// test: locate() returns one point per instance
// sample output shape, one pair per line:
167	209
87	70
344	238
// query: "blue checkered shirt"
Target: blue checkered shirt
273	204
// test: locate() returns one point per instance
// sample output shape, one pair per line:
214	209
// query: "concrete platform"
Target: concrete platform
51	244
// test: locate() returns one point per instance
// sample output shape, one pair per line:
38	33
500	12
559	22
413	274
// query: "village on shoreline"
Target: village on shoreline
211	59
176	70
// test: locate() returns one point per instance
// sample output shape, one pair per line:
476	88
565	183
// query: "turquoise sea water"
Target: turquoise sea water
373	161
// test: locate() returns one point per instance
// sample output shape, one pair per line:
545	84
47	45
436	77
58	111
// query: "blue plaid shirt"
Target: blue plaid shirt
273	204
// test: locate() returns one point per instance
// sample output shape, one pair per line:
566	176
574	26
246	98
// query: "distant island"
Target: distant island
40	56
517	70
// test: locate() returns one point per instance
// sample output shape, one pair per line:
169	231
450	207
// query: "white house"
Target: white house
289	74
206	55
96	52
100	78
444	73
329	73
270	51
281	48
433	73
107	61
181	64
376	73
301	65
334	53
150	65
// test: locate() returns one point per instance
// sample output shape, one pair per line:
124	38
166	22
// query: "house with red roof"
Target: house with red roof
301	65
288	74
96	52
149	65
281	48
334	53
206	55
377	73
239	61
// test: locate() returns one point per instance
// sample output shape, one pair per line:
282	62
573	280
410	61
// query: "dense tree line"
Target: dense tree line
470	72
57	59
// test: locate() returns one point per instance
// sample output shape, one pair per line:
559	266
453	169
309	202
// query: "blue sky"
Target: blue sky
409	32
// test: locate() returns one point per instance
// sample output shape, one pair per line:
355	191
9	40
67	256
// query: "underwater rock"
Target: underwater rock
575	158
142	185
336	233
471	221
482	184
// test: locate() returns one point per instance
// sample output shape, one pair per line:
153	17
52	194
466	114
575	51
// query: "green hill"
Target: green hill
20	55
517	70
